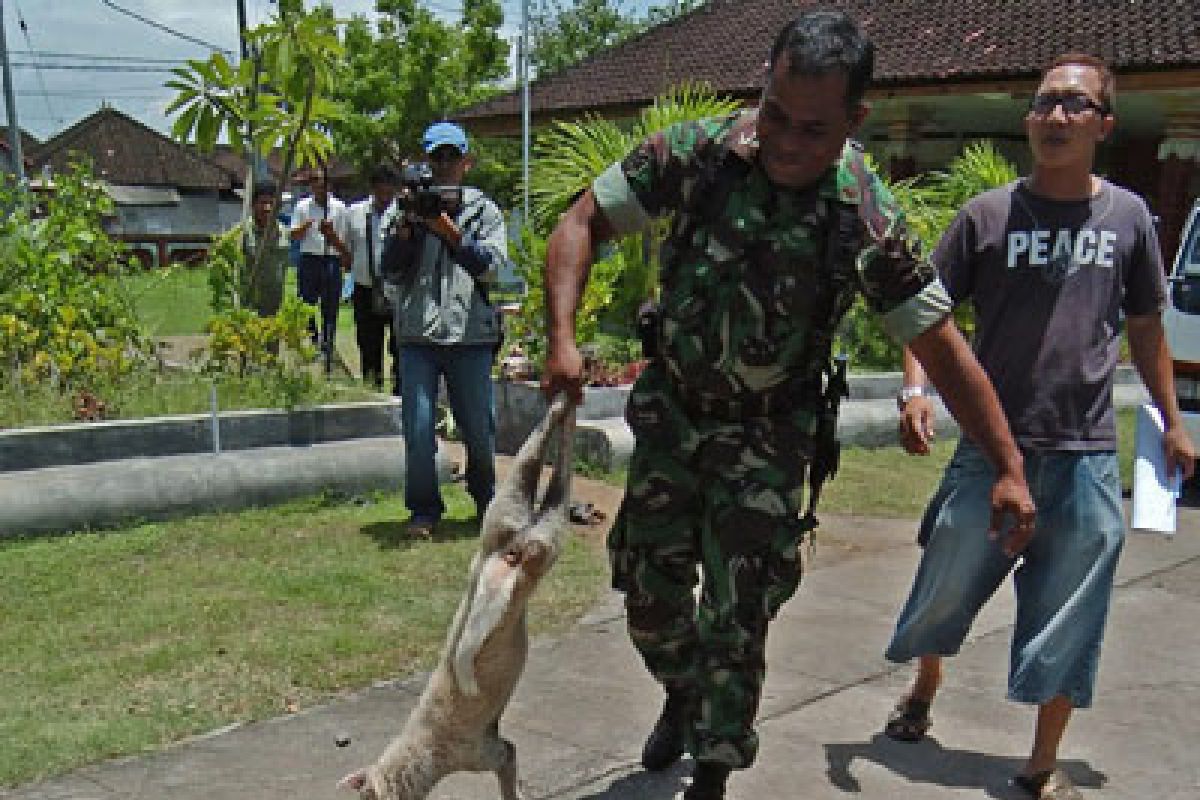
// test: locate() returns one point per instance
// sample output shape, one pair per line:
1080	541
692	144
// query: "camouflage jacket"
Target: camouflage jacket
753	288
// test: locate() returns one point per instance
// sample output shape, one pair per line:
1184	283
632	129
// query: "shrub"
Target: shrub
64	314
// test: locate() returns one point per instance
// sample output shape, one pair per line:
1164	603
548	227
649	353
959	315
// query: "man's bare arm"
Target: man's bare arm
569	255
1150	354
916	415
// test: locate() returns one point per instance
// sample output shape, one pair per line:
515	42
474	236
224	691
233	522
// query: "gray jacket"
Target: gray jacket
440	302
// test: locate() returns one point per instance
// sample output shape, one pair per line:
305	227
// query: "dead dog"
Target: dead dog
456	724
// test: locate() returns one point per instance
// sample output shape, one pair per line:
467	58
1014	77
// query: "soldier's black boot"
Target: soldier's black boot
708	781
665	744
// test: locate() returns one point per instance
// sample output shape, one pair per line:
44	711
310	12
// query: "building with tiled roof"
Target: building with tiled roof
947	72
166	194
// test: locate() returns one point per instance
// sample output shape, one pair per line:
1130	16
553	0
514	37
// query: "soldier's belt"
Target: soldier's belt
750	406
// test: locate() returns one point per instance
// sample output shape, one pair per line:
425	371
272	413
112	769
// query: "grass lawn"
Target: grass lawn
171	302
120	642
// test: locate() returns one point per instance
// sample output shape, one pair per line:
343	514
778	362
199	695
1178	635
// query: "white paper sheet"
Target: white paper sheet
1154	492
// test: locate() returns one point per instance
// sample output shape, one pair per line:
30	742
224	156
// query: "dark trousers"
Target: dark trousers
370	329
319	281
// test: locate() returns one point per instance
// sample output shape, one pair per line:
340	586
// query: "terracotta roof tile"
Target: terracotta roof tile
725	42
125	151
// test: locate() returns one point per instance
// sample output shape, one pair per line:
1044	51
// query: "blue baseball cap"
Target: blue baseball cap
443	133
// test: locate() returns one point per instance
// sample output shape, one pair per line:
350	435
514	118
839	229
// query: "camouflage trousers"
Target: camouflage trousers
724	498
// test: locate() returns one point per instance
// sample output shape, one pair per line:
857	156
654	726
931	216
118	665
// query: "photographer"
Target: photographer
448	242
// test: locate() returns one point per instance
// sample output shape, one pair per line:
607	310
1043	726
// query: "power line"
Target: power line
92	56
115	92
90	67
164	28
41	78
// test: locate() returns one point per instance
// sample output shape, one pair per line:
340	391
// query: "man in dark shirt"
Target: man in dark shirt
1050	263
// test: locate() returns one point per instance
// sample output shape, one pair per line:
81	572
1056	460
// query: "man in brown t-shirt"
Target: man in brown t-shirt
1051	264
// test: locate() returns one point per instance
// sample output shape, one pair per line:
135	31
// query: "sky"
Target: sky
64	33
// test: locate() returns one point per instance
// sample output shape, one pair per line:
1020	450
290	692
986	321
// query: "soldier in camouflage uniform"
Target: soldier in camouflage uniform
778	225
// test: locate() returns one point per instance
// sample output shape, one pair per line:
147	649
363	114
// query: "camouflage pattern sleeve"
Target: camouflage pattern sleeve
648	183
898	281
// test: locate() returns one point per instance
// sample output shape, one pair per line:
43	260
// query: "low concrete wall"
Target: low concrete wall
87	443
101	495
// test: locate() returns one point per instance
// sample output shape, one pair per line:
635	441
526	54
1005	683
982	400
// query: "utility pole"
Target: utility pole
241	7
524	56
258	168
10	104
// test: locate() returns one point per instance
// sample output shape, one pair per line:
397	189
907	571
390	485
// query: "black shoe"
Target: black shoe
708	781
665	744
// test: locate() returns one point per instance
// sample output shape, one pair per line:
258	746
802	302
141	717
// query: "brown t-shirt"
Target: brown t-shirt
1050	281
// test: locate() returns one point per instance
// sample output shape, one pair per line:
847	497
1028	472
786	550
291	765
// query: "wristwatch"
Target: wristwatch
908	393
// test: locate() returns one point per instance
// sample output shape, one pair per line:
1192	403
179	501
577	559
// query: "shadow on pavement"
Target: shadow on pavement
645	785
928	761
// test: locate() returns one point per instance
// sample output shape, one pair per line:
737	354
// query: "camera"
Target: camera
420	197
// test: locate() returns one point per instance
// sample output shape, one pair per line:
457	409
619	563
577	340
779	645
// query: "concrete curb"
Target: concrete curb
107	494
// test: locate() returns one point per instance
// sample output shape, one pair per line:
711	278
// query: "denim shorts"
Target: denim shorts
1063	579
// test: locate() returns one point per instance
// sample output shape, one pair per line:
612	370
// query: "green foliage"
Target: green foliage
496	169
564	34
931	201
225	264
410	68
529	325
241	342
570	155
64	314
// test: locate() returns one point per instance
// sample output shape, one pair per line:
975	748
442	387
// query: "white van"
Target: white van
1181	319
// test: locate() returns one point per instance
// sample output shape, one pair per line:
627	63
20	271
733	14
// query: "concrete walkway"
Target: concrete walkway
585	704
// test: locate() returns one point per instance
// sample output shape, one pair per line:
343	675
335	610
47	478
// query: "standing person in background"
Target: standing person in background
444	260
1051	264
319	223
265	254
369	220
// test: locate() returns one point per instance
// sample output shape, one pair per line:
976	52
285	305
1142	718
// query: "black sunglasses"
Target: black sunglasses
1072	104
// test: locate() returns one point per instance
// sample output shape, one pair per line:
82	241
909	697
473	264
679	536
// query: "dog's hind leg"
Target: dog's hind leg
506	773
498	755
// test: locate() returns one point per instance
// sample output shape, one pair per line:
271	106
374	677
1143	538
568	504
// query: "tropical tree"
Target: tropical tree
277	100
408	68
563	34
